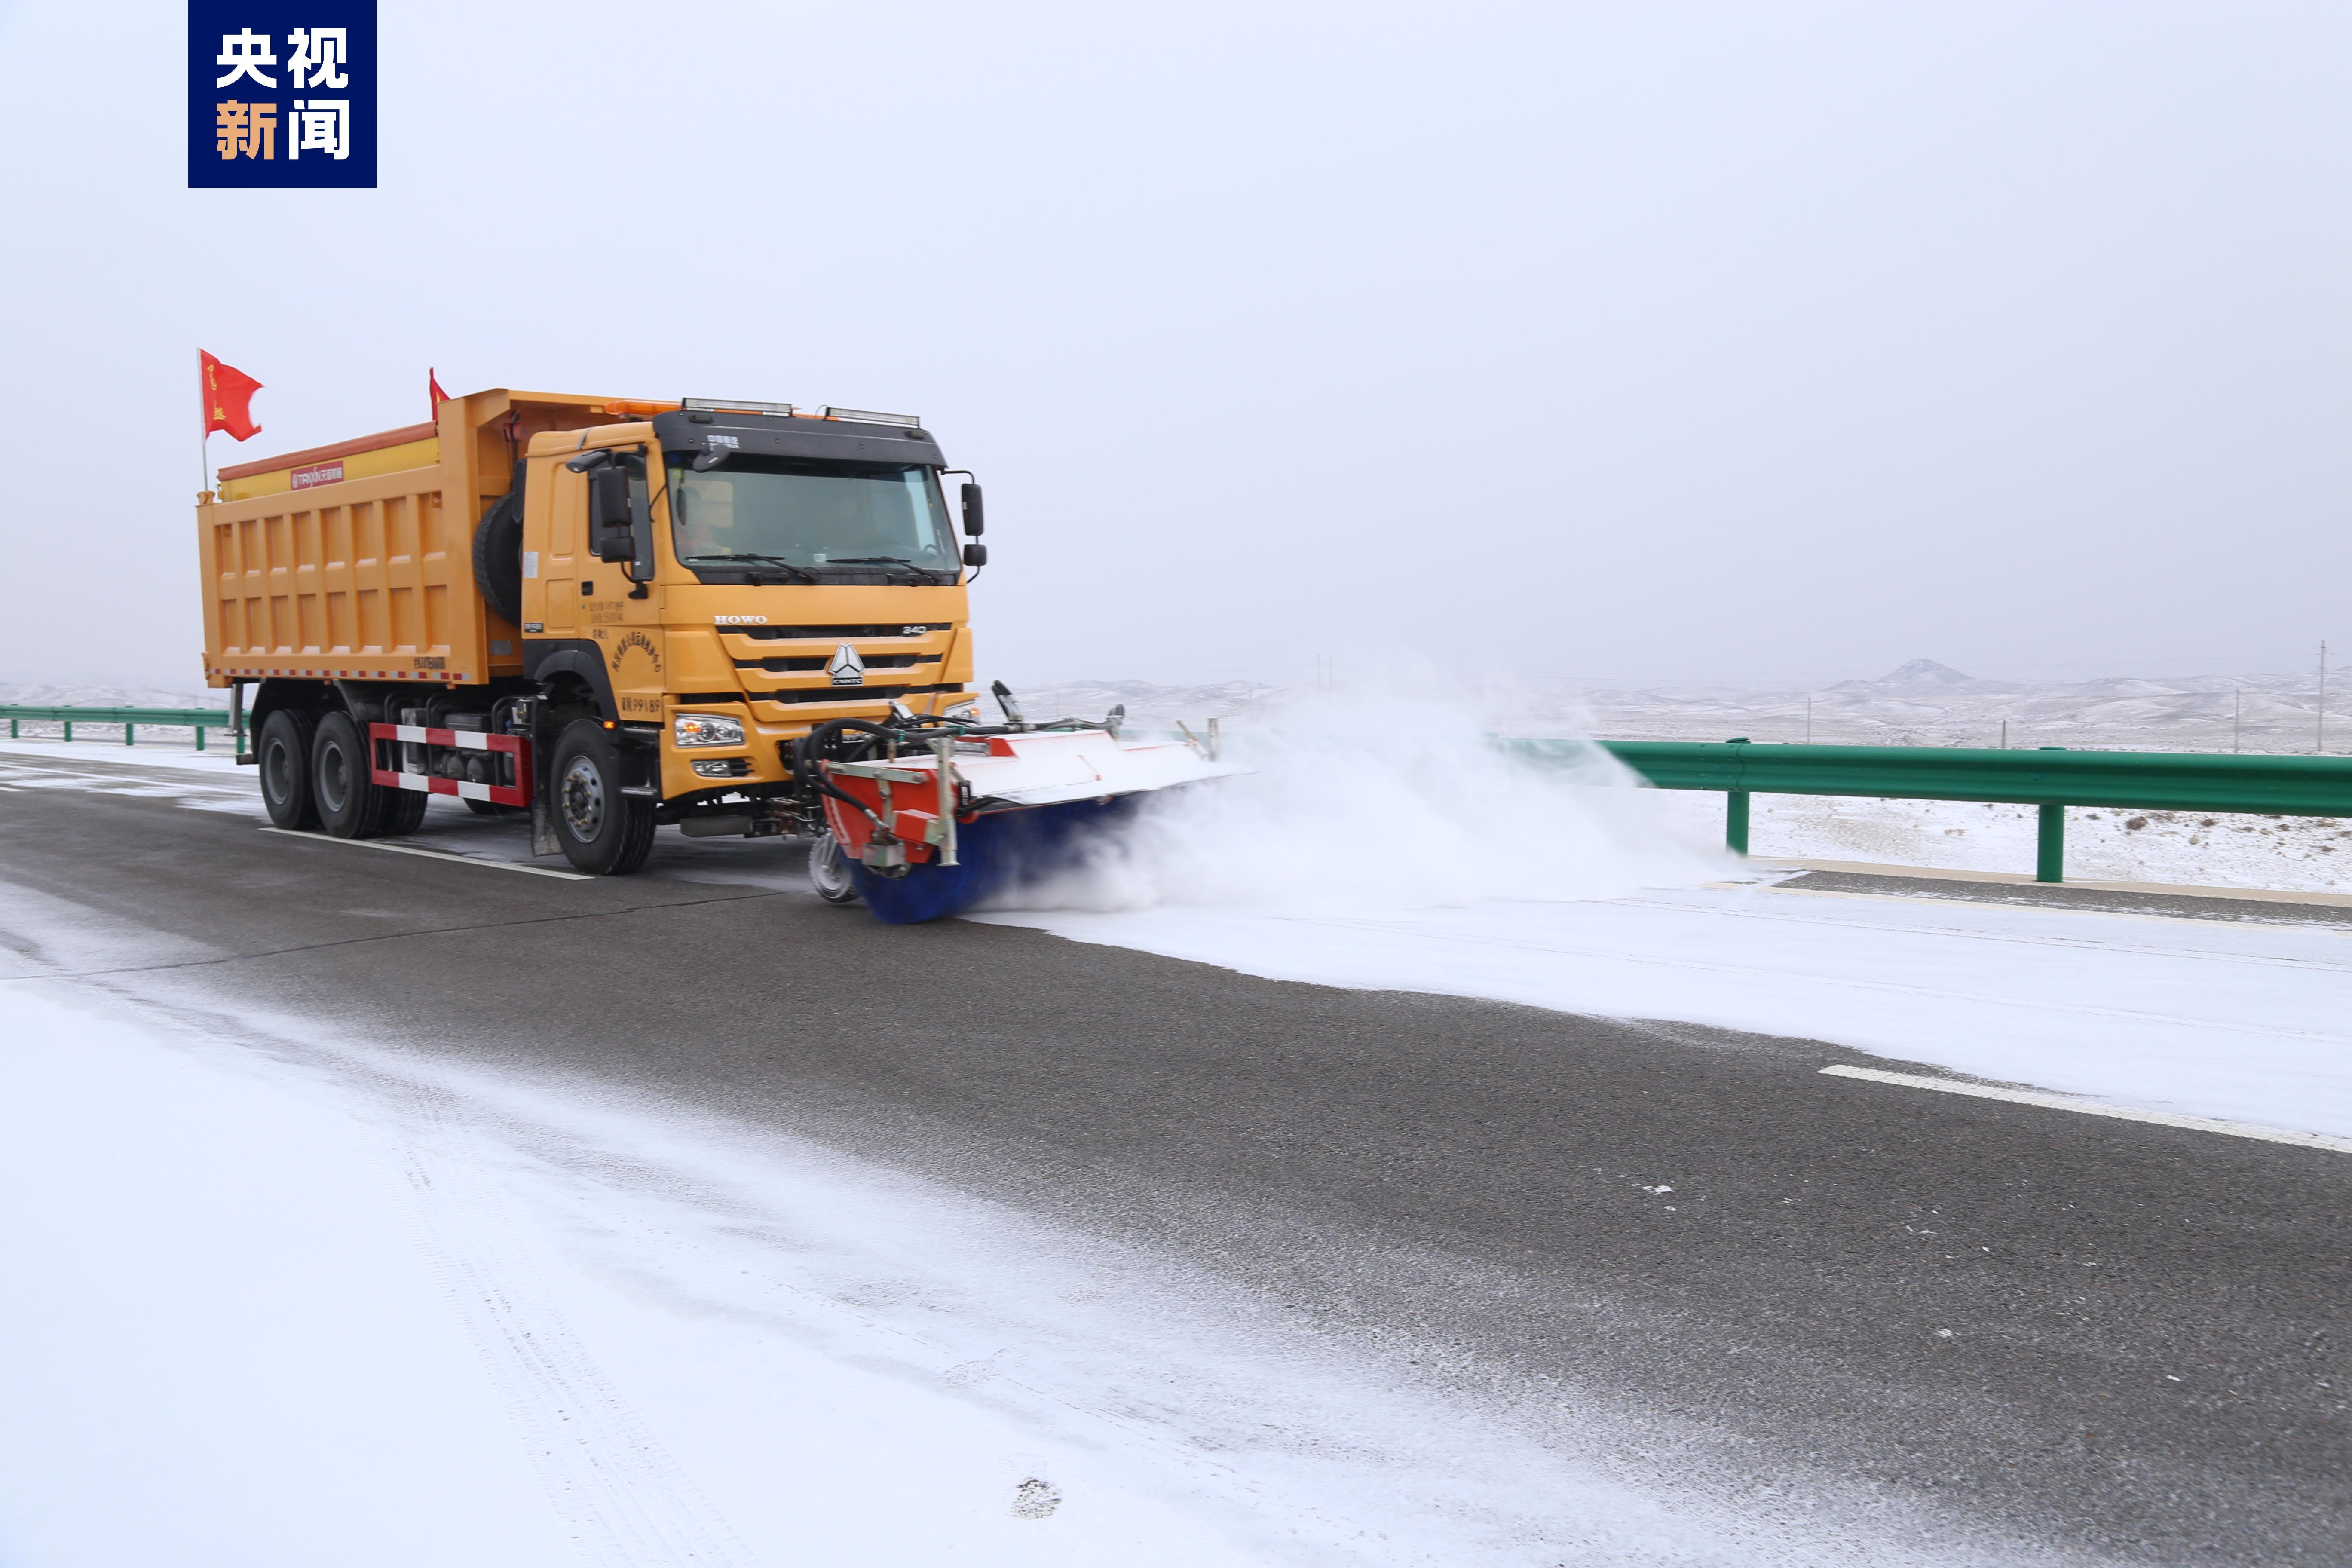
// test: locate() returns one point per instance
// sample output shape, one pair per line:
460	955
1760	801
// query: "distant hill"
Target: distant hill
1924	703
1923	675
73	694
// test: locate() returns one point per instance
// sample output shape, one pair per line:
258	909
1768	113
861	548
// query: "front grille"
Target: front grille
849	693
818	661
895	629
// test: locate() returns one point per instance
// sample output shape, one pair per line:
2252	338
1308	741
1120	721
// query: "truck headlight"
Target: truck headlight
706	729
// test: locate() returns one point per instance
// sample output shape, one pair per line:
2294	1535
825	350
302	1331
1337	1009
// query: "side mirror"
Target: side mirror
973	523
975	555
609	517
588	461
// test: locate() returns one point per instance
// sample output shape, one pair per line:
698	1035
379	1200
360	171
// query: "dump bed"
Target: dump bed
356	561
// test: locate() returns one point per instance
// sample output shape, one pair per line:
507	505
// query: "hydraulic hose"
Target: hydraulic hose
824	745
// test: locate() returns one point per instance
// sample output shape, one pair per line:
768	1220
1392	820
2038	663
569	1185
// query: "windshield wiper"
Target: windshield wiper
928	574
798	574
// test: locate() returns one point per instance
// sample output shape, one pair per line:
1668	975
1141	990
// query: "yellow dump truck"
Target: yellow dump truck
612	613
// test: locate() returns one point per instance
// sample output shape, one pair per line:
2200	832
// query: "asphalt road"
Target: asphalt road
2108	1340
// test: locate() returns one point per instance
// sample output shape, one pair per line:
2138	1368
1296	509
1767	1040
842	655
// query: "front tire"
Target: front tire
604	832
285	757
829	872
351	805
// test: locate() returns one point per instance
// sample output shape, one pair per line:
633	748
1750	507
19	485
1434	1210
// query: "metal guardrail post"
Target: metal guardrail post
129	733
2049	837
68	729
2050	844
1734	811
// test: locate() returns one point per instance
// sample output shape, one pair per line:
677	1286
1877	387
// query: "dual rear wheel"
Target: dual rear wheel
315	774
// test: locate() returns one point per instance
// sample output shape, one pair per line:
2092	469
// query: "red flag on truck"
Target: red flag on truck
435	397
229	393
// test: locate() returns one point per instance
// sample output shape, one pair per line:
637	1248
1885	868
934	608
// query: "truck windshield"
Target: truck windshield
812	516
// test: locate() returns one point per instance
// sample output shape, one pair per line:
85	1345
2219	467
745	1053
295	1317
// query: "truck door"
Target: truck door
628	627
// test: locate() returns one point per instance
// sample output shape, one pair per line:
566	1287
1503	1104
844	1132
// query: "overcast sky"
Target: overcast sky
1628	343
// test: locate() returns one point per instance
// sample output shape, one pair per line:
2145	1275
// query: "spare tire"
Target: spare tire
497	553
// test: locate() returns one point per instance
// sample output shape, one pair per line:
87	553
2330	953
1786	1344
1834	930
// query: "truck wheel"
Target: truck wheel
603	831
829	871
285	757
349	804
404	811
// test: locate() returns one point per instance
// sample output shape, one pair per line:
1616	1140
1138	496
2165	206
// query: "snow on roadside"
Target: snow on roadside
205	1289
2179	849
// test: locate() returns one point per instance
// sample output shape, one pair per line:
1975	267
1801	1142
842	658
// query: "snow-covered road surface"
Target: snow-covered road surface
303	1301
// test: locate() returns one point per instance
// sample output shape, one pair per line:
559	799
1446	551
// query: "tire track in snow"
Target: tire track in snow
625	1502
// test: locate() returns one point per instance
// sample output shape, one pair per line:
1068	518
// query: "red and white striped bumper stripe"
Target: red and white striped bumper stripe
515	746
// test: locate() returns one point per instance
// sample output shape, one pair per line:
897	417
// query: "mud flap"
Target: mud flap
542	828
542	807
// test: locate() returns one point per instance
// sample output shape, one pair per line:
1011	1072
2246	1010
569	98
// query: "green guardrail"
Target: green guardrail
197	718
2050	777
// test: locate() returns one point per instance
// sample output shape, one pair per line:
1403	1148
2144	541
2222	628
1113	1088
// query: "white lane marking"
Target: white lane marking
2088	1108
435	855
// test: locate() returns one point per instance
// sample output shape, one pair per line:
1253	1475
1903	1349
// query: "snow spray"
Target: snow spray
1360	804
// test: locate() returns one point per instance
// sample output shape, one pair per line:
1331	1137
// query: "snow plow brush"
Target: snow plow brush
924	816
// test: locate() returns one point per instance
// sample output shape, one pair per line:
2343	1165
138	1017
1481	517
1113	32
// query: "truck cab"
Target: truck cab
724	579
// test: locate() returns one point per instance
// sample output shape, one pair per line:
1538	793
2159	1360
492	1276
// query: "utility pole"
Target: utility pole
2004	734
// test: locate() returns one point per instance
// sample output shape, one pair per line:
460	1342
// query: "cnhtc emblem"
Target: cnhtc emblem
846	669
